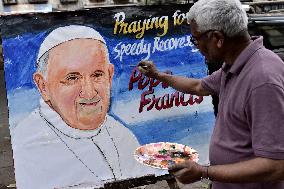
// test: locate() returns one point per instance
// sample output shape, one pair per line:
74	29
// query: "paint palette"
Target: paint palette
161	155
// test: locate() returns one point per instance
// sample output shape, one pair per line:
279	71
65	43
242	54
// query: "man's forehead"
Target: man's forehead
193	27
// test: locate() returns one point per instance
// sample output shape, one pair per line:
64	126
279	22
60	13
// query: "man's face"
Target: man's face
206	43
78	83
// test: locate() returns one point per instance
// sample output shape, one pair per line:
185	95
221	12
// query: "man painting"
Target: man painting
70	139
247	146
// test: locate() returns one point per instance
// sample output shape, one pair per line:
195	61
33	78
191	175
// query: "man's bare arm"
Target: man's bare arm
255	170
182	84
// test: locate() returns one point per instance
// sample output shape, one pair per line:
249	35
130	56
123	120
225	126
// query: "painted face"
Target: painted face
78	84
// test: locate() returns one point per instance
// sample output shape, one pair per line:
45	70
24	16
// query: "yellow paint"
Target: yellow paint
179	18
139	27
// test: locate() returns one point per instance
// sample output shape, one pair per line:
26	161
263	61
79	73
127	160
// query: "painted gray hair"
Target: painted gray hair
42	63
227	16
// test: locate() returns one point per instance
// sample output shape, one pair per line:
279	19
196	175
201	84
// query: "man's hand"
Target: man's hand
148	68
182	84
186	172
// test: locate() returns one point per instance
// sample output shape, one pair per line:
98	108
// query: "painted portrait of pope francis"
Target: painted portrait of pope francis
70	139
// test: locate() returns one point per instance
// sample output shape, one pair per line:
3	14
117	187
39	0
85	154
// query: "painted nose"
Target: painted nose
88	89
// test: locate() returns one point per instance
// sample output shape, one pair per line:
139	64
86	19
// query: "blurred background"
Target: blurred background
267	19
16	6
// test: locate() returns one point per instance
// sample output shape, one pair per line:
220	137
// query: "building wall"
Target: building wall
74	4
58	4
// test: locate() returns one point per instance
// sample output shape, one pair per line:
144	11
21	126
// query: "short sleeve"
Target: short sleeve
212	82
265	113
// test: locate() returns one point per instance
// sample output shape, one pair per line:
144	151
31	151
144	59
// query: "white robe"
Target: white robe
49	154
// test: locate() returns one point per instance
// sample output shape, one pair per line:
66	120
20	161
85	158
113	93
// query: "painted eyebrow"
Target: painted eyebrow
72	73
69	74
100	71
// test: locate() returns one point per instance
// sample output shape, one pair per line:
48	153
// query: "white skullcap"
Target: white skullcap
67	33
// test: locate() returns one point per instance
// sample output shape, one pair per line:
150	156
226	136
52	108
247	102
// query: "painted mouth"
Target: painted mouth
88	104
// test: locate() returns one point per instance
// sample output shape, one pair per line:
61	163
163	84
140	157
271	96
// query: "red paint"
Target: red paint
149	100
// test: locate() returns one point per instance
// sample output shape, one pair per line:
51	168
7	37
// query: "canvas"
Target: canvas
78	117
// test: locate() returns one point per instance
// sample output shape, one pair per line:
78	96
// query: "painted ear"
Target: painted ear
41	85
110	72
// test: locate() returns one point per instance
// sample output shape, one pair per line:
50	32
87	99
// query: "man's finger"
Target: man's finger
142	63
142	70
180	172
176	167
145	63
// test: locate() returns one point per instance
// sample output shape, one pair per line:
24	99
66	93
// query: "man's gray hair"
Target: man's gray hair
61	35
227	16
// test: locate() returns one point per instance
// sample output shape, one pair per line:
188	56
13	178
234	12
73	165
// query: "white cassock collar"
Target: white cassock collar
100	137
54	119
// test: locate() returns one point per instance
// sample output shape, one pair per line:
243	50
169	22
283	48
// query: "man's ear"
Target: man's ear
219	36
110	72
41	86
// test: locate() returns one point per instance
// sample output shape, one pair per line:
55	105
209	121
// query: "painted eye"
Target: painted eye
72	78
99	74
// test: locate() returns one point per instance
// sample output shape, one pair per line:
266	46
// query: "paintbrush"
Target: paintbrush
143	66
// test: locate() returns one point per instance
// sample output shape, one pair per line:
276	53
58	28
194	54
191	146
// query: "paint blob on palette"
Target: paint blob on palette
161	155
